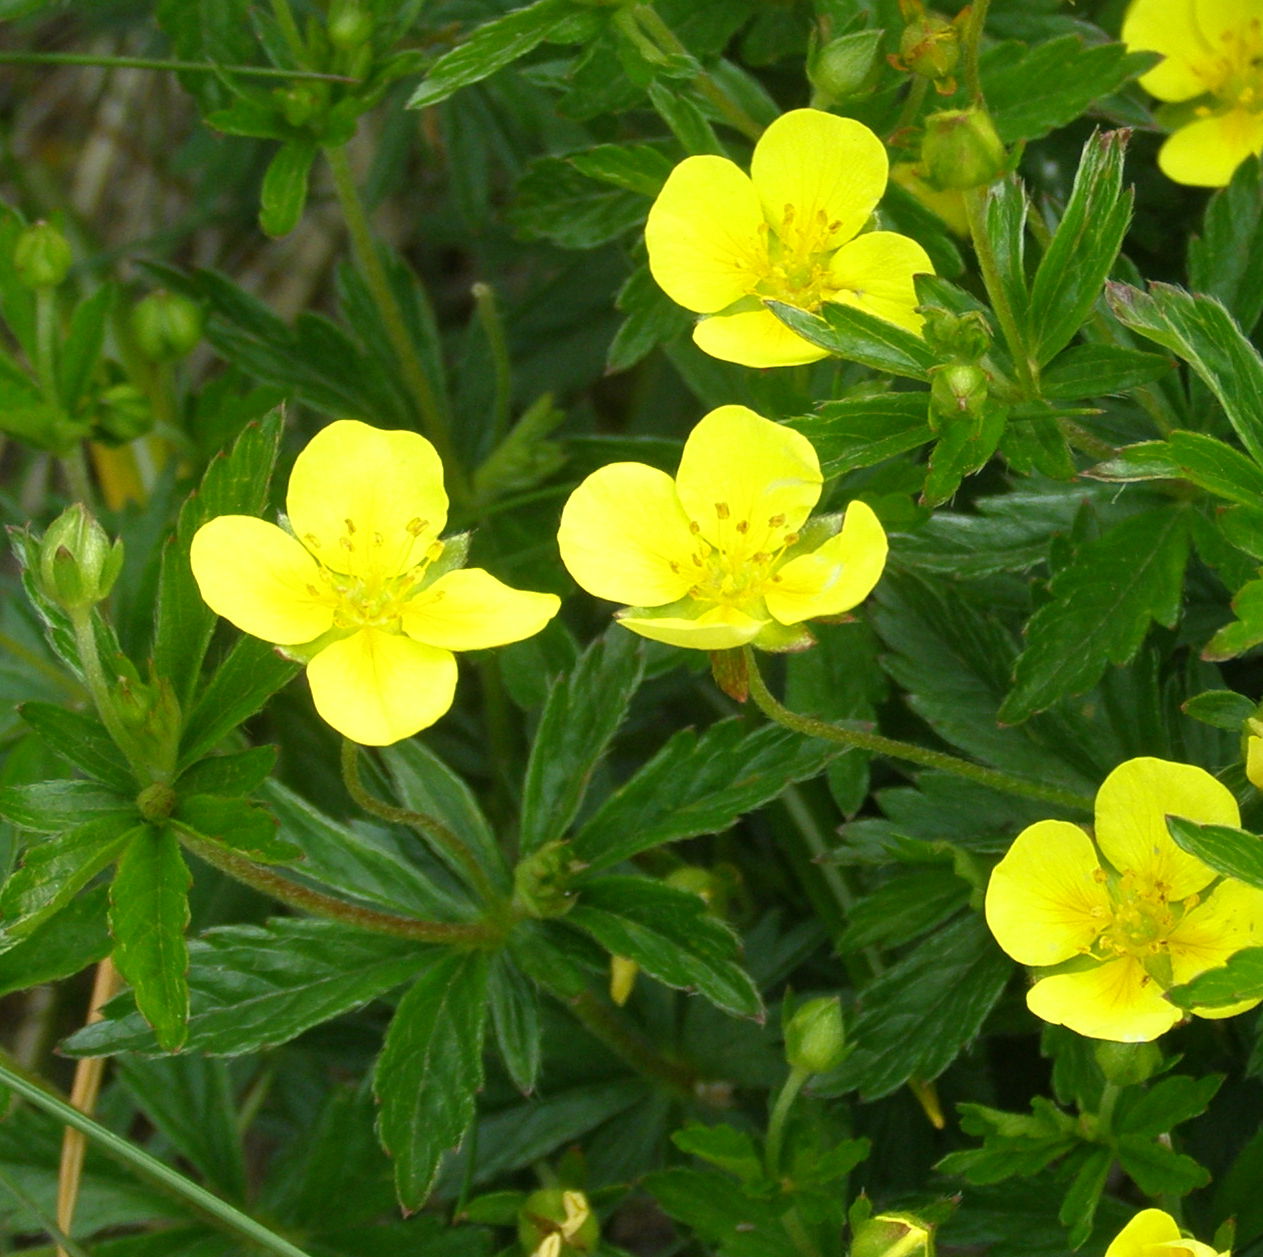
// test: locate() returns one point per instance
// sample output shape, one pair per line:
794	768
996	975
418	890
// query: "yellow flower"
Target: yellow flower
1254	752
1133	914
1152	1233
721	241
359	583
720	556
1212	61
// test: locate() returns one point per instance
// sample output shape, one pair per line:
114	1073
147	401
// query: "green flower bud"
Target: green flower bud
1125	1064
815	1039
956	337
541	882
957	391
303	103
166	325
558	1222
42	256
350	25
78	564
961	149
846	66
893	1235
123	413
930	47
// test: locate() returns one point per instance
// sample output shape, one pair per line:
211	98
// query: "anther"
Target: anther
311	541
776	521
694	527
416	525
721	510
346	543
743	526
350	526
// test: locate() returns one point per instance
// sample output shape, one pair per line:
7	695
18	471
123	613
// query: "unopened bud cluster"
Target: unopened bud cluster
78	564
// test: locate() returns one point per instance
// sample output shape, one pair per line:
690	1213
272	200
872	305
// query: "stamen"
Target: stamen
722	510
350	526
743	526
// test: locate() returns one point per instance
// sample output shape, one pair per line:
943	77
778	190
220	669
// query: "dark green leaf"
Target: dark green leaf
710	1204
860	337
80	740
1159	1170
699	784
1004	211
514	1004
965	445
902	909
685	119
652	318
1246	631
583	713
1101	607
48	807
1077	262
860	431
284	193
1240	979
1078	1209
255	986
1165	1104
73	939
237	773
1223	709
1203	333
234	823
1226	260
635	167
671	935
82	346
1232	852
430	1069
149	911
490	48
1085	371
723	1146
1206	461
556	202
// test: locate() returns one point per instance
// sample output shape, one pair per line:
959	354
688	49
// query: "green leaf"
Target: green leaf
965	445
82	346
1077	262
671	935
651	318
860	337
48	807
1204	334
1241	978
235	483
430	1069
149	912
698	784
640	168
237	773
491	47
1165	1104
583	712
857	432
514	1004
1158	1170
1078	1208
1204	460
235	824
922	1011
711	1204
556	202
1004	211
255	986
1226	260
1223	709
81	740
59	948
1085	371
723	1146
1232	852
1101	607
284	193
1246	631
903	909
55	870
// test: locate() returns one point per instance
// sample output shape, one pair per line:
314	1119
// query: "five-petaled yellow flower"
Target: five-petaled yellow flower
723	554
1153	1233
1128	917
1212	61
721	241
359	583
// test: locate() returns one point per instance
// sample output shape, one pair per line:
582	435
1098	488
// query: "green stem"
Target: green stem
150	1168
992	778
912	103
797	1232
776	1123
975	209
1105	1111
75	465
493	329
271	883
156	63
99	688
46	344
430	825
668	42
431	417
973	47
1084	440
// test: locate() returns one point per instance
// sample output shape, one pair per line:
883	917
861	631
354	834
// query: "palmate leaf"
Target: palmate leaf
1240	979
1226	260
856	432
1232	852
860	337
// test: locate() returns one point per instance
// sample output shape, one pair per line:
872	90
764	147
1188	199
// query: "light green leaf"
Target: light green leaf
860	337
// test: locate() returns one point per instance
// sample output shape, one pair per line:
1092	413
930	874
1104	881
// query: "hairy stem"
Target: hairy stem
973	47
158	63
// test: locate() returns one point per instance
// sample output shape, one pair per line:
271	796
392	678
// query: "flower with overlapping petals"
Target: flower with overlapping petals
359	587
1120	920
723	554
1212	66
721	242
1153	1233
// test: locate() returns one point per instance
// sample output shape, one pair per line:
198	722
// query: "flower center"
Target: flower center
373	596
1234	74
796	269
1141	921
735	570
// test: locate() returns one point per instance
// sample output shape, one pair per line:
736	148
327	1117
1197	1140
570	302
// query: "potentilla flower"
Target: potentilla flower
721	241
358	587
1212	54
723	554
1153	1233
1129	916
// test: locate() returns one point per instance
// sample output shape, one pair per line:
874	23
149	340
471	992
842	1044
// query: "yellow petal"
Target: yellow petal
1205	153
470	610
706	236
625	537
1254	760
1131	809
754	338
1149	1226
716	628
1046	900
367	502
746	481
835	577
376	687
1117	1000
874	273
948	205
258	577
1228	919
1172	27
819	177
